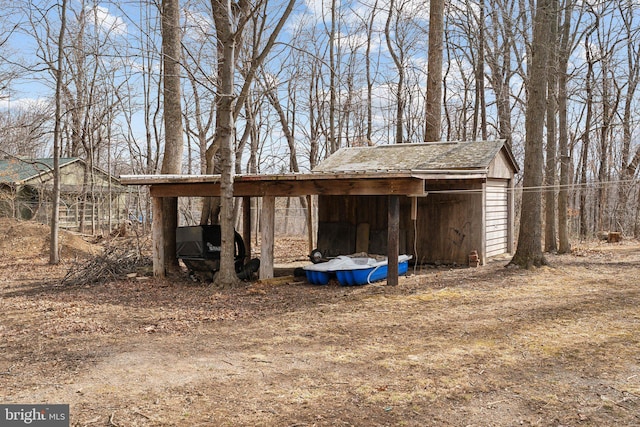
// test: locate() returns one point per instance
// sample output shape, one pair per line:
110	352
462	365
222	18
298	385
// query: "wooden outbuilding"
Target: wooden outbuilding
435	201
88	195
466	204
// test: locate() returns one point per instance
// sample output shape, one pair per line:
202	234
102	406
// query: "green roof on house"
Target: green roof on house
19	170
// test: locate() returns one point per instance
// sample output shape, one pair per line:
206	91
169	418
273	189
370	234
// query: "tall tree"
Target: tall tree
609	99
499	56
397	54
333	73
586	136
230	20
54	254
567	40
550	243
433	125
173	144
529	249
480	107
368	72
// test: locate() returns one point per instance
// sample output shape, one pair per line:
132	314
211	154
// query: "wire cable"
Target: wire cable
542	188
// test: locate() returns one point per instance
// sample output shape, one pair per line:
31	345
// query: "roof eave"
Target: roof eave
507	148
48	169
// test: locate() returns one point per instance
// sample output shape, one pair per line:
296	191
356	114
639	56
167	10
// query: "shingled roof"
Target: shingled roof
416	157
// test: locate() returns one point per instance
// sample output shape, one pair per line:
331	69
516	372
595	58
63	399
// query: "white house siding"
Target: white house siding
497	217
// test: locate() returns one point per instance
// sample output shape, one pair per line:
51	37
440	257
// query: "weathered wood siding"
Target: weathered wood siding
448	224
338	220
456	217
500	167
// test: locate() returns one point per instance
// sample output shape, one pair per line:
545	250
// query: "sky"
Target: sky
121	22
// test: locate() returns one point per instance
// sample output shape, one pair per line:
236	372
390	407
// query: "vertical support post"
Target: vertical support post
159	268
267	235
511	216
246	224
414	208
169	224
310	221
482	251
393	239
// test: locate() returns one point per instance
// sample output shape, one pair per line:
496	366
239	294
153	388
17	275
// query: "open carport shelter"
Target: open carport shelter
435	201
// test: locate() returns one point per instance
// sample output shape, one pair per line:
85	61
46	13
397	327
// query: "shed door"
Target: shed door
497	217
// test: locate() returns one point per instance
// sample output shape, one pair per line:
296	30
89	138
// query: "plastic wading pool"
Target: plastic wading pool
353	270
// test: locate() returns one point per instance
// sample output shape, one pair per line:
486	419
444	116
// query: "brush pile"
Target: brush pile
115	263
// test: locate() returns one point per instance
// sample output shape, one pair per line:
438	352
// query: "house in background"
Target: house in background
90	199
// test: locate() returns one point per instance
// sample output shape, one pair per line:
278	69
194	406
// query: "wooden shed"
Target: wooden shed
467	203
437	201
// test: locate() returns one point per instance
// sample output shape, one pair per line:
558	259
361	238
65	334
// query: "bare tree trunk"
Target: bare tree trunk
529	250
224	139
563	138
609	109
287	129
208	212
230	21
586	142
447	113
480	107
173	145
498	58
313	120
54	254
254	140
398	61
225	134
333	144
433	122
368	73
550	244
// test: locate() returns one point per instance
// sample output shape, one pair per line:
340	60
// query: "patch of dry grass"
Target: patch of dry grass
486	346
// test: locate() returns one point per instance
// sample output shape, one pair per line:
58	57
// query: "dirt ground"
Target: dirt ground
488	346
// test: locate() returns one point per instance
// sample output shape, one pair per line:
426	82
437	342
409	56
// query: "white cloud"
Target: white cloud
105	21
352	14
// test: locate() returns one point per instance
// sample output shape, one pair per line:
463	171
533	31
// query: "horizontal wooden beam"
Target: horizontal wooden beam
177	179
284	188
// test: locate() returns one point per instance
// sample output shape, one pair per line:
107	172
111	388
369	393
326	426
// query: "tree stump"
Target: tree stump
614	237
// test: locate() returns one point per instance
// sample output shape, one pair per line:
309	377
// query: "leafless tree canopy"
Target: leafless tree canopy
302	81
